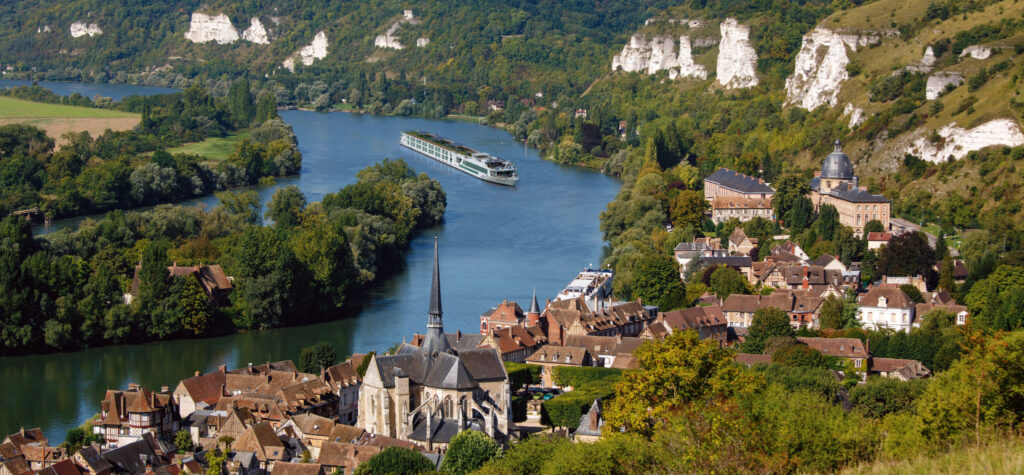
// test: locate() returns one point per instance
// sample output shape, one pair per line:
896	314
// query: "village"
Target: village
269	417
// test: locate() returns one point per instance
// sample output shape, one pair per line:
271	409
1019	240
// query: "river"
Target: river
496	243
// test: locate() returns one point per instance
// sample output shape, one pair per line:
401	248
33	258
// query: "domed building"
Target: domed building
837	185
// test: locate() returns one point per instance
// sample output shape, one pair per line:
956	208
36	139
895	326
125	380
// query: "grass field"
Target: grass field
1000	457
57	119
213	148
18	109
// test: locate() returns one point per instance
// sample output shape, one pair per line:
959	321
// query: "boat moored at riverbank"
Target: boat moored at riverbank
481	165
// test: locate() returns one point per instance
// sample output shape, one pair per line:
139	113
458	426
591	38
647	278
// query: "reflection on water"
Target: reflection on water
497	242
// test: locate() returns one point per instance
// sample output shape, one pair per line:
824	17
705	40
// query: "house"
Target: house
805	277
591	422
15	466
215	283
725	183
562	318
886	307
740	244
205	389
801	306
139	457
878	239
504	315
312	429
606	351
790	248
515	343
852	349
126	415
309	396
207	426
921	311
345	381
261	440
549	356
708	322
687	252
837	185
291	468
903	370
830	262
960	271
89	461
31	446
344	457
725	208
427	394
63	467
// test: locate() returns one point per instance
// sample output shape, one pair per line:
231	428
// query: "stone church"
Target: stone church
837	185
427	394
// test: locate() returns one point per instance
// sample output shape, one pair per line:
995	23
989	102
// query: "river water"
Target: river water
496	243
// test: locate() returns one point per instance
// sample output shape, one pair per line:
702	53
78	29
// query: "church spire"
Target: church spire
435	341
435	294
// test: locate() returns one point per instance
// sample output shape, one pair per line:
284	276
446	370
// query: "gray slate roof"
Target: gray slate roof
737	181
857	195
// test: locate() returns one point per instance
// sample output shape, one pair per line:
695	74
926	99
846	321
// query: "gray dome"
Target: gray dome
837	165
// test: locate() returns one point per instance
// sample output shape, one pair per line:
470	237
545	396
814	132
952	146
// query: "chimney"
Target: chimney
817	174
223	390
223	368
164	389
197	372
594	421
458	335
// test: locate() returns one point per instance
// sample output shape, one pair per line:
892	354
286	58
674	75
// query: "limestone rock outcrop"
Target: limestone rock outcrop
737	60
390	39
256	33
977	52
81	28
317	49
957	142
821	67
204	28
938	82
658	53
855	114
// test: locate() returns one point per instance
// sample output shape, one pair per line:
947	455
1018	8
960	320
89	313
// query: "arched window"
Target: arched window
449	408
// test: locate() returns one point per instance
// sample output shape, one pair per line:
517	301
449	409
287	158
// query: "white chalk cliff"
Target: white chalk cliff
659	54
958	142
821	67
256	33
977	52
390	39
856	115
317	49
80	28
938	82
737	60
204	28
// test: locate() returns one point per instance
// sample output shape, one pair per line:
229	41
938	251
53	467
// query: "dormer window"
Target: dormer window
882	301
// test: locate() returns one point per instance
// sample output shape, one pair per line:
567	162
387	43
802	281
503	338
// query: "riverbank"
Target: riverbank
496	243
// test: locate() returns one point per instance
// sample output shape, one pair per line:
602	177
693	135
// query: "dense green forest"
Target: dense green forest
65	290
128	169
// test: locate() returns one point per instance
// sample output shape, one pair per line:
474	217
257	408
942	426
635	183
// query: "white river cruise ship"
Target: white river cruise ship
461	157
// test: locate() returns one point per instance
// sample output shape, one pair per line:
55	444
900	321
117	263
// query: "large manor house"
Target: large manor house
735	195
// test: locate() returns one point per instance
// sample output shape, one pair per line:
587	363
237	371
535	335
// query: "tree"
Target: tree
672	374
656	281
319	356
240	102
215	460
908	254
194	305
997	301
800	215
266	108
912	292
687	208
799	355
881	396
79	437
468	451
286	206
828	222
394	460
790	190
873	226
767	322
183	441
244	204
725	282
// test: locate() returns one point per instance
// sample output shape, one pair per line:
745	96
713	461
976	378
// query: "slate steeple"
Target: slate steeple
534	308
435	341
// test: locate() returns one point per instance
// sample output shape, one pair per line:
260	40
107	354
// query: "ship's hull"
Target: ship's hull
454	159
